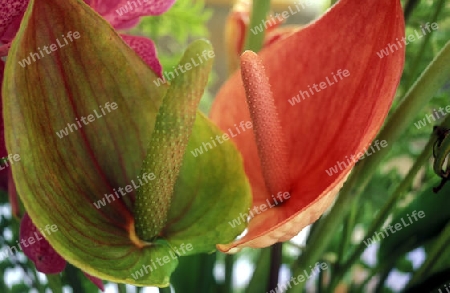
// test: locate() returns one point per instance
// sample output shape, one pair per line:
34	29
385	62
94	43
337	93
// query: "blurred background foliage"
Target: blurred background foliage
248	270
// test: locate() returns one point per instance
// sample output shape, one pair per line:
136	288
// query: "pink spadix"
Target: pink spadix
270	139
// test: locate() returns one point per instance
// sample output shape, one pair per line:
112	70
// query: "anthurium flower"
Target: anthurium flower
317	99
77	181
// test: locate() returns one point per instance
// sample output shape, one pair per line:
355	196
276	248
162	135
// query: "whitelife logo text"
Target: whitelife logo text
280	17
396	226
129	188
30	241
206	54
411	38
243	217
322	85
90	118
53	48
242	125
300	278
435	116
341	165
162	261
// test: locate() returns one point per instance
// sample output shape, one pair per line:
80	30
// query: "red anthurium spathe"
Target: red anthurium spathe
323	101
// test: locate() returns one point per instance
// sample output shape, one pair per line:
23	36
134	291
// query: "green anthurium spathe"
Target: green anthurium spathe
81	119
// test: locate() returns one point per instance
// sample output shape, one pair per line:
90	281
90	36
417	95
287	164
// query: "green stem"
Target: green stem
348	230
229	263
419	55
432	79
372	273
260	10
72	275
409	8
121	288
261	272
39	287
276	252
165	290
383	277
433	256
320	281
54	283
343	248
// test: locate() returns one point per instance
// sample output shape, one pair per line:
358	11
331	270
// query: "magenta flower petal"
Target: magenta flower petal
146	49
3	152
97	282
11	13
36	248
118	12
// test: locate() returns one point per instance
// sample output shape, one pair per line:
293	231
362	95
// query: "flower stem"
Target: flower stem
260	10
54	282
165	290
409	8
275	264
431	80
229	262
121	288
